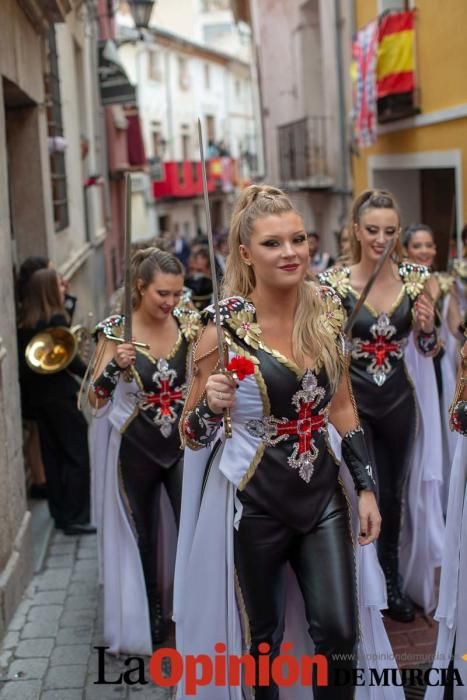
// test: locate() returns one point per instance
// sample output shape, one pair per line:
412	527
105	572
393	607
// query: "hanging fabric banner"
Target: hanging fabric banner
396	61
364	52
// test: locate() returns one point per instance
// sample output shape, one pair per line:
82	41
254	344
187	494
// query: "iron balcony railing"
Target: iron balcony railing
303	154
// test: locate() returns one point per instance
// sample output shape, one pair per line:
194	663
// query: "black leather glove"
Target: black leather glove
356	456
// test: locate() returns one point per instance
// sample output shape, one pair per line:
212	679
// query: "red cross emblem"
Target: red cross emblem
165	399
304	427
380	350
273	430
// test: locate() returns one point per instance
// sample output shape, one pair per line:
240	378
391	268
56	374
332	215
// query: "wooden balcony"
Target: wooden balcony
303	154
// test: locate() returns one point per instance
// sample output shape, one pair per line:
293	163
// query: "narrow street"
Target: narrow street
47	653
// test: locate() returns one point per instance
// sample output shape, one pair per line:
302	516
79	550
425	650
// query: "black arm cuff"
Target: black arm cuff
201	425
458	420
428	343
355	454
104	385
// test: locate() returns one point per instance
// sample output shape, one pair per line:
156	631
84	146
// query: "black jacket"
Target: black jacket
38	390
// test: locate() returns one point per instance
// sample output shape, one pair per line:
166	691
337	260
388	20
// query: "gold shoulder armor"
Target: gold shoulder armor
414	278
189	320
338	278
459	267
445	282
332	317
112	325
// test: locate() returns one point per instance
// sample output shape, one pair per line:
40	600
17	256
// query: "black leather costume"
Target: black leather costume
386	403
294	508
150	452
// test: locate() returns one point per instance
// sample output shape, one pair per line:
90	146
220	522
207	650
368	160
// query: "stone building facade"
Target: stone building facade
304	49
51	204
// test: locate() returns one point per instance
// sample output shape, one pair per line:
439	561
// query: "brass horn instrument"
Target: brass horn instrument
53	349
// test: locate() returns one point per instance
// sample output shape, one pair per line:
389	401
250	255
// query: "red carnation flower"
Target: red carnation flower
241	366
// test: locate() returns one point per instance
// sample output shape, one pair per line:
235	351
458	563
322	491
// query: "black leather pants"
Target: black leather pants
141	482
323	562
390	440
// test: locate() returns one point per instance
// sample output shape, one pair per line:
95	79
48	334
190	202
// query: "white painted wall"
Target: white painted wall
78	250
172	105
69	241
188	19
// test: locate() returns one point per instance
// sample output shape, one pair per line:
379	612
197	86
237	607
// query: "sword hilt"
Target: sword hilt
227	423
226	411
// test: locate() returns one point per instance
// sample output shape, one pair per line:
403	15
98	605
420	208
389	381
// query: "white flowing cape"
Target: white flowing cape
99	435
452	607
206	609
422	535
449	363
126	614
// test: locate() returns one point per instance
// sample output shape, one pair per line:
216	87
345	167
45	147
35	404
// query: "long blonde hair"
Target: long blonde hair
309	336
372	199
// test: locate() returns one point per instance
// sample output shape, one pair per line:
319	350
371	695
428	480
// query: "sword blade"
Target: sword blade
366	290
212	258
127	302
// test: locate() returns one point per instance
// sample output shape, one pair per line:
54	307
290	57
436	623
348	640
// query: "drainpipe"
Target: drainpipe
341	115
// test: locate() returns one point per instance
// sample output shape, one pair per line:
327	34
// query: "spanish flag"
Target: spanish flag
395	66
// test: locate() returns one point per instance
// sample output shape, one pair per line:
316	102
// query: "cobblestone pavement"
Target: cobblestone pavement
47	653
413	644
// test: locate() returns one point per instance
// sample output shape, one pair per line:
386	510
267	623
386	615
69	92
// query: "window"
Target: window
209	5
211	32
210	128
55	130
207	76
154	66
385	5
180	173
185	142
186	230
183	75
238	88
156	140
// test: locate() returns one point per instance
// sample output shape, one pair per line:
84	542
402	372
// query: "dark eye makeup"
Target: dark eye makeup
273	242
374	230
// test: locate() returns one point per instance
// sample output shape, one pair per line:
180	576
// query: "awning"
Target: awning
115	88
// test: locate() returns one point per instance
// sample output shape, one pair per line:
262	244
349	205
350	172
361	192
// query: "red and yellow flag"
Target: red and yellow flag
395	67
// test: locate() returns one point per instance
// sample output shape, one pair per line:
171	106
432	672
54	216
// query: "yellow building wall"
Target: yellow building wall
441	49
441	56
436	137
365	11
